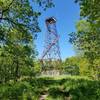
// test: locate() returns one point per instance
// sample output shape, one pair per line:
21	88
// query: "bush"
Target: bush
76	88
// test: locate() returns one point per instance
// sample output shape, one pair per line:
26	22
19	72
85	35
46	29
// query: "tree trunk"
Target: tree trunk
16	70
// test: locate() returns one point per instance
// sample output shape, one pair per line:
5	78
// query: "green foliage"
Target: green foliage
83	26
77	65
71	66
76	88
87	37
15	91
89	9
18	27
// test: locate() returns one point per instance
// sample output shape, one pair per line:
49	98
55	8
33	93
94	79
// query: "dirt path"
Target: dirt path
43	97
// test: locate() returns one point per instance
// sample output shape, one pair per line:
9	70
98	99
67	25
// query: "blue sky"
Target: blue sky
67	14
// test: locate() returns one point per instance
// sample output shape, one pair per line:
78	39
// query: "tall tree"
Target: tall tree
87	37
18	25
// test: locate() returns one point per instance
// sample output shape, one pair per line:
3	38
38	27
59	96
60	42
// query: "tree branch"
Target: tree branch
8	6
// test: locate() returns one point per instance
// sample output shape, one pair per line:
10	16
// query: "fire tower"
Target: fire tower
51	58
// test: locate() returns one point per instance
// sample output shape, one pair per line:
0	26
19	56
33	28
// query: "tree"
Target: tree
18	26
87	37
77	65
71	66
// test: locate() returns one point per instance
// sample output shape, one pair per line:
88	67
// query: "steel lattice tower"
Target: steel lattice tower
51	55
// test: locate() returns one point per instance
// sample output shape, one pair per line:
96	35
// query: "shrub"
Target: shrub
77	88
